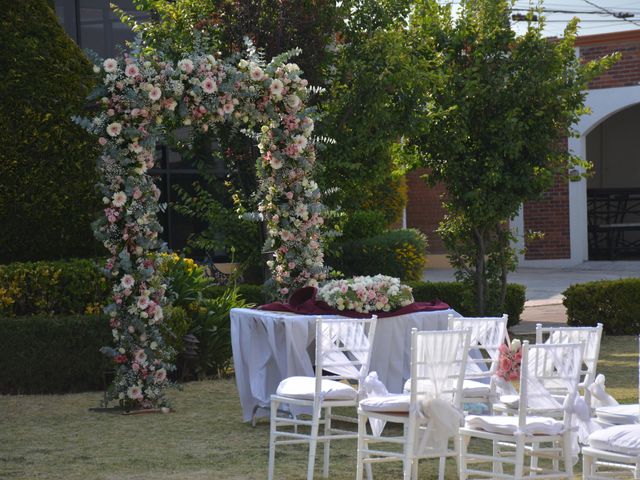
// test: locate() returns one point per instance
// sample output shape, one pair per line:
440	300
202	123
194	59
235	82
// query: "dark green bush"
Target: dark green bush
614	303
364	224
250	293
43	354
459	297
47	163
397	253
52	288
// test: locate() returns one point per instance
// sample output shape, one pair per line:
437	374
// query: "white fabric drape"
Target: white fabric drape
270	346
436	379
599	395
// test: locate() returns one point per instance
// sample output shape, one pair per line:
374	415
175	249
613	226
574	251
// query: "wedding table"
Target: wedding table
270	346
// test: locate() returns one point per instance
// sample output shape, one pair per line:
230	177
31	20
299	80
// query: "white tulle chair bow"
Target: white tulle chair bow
534	423
430	414
343	353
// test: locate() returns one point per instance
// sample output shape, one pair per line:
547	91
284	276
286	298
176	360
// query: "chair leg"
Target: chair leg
362	431
518	473
568	455
462	456
272	438
534	458
587	467
497	465
327	443
636	471
313	440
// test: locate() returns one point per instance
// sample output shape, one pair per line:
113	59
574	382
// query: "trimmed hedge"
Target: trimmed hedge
47	163
458	296
397	253
52	288
43	354
614	303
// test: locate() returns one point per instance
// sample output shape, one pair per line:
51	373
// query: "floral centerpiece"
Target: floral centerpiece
509	360
366	294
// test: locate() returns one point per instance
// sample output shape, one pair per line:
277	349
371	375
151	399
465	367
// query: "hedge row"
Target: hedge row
397	253
41	354
614	303
458	296
52	288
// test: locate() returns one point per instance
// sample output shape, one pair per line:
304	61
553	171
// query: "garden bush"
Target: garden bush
614	303
397	253
52	288
42	354
47	163
460	298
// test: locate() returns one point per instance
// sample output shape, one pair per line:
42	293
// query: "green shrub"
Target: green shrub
614	303
460	298
364	224
250	293
52	288
47	163
397	253
42	354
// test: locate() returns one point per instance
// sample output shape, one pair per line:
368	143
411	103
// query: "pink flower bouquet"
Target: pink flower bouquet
509	361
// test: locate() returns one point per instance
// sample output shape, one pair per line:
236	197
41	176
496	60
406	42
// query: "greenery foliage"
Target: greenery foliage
461	299
47	175
396	253
493	120
42	354
52	288
614	303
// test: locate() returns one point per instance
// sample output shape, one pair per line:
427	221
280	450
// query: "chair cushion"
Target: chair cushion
304	388
390	403
619	414
619	438
508	425
470	387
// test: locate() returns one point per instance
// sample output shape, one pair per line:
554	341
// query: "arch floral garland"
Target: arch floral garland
139	97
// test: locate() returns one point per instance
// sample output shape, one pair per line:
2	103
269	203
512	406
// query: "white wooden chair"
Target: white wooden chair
343	354
613	452
534	423
590	337
430	415
487	334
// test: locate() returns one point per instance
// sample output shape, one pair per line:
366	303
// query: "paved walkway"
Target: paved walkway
545	286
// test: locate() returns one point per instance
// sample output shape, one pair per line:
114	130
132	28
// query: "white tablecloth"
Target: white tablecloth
270	346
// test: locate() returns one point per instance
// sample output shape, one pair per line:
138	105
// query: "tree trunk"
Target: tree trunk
503	240
481	281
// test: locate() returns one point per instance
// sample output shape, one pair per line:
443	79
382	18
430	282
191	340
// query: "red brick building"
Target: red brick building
588	219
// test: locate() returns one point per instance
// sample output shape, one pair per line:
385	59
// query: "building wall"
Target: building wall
624	73
424	209
561	213
549	215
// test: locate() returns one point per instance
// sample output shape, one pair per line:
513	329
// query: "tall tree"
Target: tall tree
493	127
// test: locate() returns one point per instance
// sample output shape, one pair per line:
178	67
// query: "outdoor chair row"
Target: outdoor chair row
449	369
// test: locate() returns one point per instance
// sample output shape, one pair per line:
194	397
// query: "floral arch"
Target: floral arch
139	98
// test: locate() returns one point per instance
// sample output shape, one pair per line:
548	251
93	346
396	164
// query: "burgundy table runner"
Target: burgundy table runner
303	301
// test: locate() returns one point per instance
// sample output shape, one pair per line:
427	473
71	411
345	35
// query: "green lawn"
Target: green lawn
57	437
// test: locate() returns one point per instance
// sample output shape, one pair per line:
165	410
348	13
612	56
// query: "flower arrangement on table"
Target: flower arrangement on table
509	360
366	294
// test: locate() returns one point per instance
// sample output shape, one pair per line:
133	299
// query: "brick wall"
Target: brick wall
626	72
549	215
424	209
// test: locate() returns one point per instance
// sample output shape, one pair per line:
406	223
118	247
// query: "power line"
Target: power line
610	12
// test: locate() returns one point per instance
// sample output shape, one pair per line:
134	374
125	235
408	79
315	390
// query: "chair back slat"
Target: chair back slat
438	361
343	347
487	334
543	364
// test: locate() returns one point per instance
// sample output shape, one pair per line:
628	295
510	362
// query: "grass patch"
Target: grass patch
57	437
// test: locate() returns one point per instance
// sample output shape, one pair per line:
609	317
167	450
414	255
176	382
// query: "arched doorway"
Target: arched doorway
613	189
